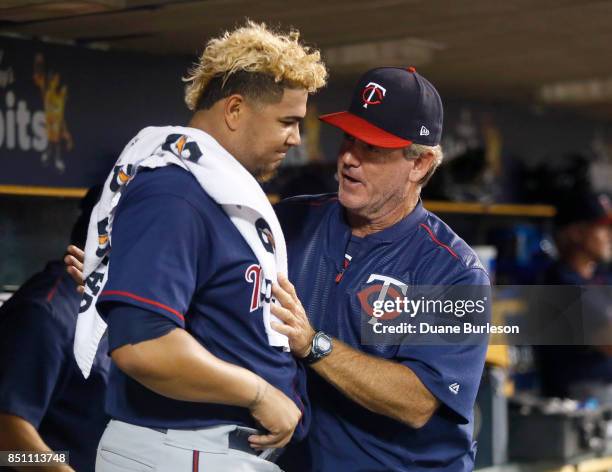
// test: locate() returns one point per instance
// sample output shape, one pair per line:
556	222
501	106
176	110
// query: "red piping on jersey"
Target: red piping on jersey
435	240
196	461
143	300
52	292
344	267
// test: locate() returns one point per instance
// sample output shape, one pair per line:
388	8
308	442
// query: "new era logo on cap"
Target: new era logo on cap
454	388
392	108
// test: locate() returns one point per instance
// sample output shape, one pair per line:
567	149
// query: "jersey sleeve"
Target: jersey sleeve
452	371
156	245
33	355
128	324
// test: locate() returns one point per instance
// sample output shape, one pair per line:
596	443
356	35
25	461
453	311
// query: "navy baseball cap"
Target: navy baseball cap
594	208
392	108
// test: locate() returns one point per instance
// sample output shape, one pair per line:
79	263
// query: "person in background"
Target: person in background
45	403
584	242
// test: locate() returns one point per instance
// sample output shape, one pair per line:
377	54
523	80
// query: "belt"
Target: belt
239	441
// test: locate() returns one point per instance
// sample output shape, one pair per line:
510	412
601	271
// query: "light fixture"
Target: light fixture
399	52
578	92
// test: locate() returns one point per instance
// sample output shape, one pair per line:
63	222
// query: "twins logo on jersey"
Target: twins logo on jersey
182	147
262	287
390	289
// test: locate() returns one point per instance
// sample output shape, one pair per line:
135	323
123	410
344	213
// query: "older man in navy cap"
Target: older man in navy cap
379	407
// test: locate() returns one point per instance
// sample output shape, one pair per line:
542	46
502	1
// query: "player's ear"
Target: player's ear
421	166
234	111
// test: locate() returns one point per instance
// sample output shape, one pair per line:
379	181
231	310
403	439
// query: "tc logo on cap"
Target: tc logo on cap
373	94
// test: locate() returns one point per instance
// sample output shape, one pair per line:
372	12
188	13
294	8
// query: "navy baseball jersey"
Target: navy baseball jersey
39	378
334	273
176	254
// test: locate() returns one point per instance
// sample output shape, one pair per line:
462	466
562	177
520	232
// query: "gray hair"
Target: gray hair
415	150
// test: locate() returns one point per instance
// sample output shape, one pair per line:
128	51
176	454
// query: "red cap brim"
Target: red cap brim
363	130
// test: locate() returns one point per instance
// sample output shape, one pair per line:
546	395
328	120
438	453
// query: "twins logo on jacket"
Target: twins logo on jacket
390	289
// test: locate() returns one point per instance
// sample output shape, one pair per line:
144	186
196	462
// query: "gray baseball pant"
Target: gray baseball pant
126	447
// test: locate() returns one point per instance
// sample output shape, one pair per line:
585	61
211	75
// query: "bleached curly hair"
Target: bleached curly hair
259	52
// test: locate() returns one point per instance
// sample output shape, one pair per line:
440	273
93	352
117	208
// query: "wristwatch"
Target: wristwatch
321	346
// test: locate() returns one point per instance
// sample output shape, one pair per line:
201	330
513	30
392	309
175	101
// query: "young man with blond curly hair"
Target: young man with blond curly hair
198	375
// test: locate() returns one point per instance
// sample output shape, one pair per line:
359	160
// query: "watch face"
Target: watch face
323	343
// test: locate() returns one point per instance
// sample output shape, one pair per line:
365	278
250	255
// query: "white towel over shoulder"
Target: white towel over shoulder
222	177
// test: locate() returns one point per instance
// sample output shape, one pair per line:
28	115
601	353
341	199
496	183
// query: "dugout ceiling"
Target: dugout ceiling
548	52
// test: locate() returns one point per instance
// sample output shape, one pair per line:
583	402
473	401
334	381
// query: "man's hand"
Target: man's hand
277	413
177	366
74	266
296	325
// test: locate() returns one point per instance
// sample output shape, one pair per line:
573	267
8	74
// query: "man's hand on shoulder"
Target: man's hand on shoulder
74	266
295	324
